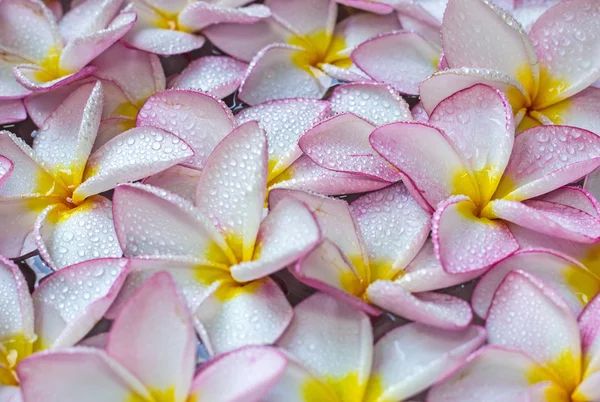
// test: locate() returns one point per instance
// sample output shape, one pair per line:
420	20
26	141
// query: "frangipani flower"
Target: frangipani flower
302	48
538	350
61	311
544	75
220	250
168	27
333	359
45	55
57	183
150	357
470	167
373	256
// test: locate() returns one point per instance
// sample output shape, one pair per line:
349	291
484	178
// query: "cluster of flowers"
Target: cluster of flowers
166	220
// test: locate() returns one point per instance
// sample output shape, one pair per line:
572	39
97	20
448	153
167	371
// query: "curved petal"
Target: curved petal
580	110
166	328
178	180
435	309
379	104
66	236
402	59
402	351
28	75
590	337
42	104
529	316
306	18
297	384
575	197
12	111
198	15
359	27
377	7
70	302
197	118
164	42
465	242
87	17
239	315
231	190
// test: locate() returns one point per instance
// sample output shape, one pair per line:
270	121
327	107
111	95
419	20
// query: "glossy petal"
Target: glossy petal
198	119
198	15
69	303
580	110
42	104
17	310
590	337
310	17
164	42
12	111
292	386
359	27
575	197
179	180
371	6
27	75
87	17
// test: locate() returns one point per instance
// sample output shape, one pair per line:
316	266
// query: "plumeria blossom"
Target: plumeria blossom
538	350
300	49
374	256
56	185
61	311
168	27
332	356
220	249
38	54
150	356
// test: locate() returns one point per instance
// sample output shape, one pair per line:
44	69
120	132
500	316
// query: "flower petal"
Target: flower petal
297	384
239	315
198	15
151	149
435	309
529	316
567	42
361	99
164	42
17	315
359	27
378	7
566	276
197	118
178	180
575	197
12	111
219	76
27	76
86	18
334	341
282	71
70	302
231	190
579	110
78	374
402	59
487	241
42	104
590	337
401	351
288	233
423	153
245	374
165	328
308	17
393	213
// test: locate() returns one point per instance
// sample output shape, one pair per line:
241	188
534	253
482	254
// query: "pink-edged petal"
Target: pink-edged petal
84	49
479	124
529	316
465	46
199	119
198	15
350	74
575	197
110	128
545	158
69	303
376	103
308	17
42	104
289	231
66	138
161	215
579	110
588	389
401	351
166	328
245	374
405	226
178	180
6	168
27	76
423	153
12	111
284	121
445	83
487	241
435	309
168	6
239	315
334	341
491	374
590	336
9	86
86	18
419	114
11	394
359	27
292	386
341	143
402	59
17	332
568	49
377	7
132	155
566	276
78	374
306	175
282	71
231	190
66	236
164	42
219	76
550	218
425	273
